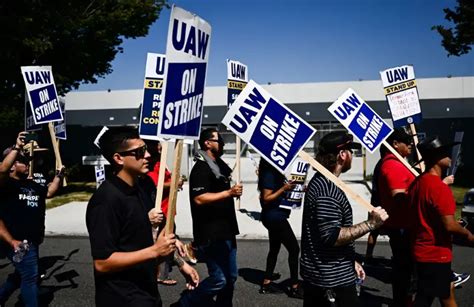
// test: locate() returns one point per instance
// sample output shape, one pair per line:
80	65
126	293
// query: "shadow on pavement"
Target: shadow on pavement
46	292
254	215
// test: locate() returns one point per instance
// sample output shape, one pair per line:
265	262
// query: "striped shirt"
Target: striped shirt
326	210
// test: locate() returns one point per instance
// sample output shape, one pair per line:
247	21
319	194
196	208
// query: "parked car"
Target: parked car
467	211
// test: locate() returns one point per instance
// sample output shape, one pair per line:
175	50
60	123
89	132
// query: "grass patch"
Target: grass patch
458	193
75	191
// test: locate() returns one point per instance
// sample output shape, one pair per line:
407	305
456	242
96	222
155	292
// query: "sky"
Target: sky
298	41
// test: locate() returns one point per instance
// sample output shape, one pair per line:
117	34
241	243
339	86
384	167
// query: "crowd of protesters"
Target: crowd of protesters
132	252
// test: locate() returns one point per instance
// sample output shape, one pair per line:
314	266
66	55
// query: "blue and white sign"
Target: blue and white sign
360	119
237	78
99	175
42	94
272	129
187	54
29	121
293	199
60	127
402	95
150	110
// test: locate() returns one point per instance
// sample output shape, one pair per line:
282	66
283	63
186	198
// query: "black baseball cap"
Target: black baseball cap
434	149
400	135
335	141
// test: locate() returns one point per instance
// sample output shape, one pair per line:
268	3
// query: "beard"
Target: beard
347	165
218	152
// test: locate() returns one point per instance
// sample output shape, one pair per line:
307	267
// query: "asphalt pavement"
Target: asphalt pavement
69	275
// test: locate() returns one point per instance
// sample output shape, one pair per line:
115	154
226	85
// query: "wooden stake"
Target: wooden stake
237	165
405	162
161	175
415	141
364	163
178	152
32	150
338	182
57	155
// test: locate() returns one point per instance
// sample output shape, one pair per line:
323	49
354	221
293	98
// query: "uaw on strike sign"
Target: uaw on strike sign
237	78
150	110
187	53
42	94
268	126
402	95
356	115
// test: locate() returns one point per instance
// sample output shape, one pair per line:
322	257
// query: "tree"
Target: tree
78	38
458	41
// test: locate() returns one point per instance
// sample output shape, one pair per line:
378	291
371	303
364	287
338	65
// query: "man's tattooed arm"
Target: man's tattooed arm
349	234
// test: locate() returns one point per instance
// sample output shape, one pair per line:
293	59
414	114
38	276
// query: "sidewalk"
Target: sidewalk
69	219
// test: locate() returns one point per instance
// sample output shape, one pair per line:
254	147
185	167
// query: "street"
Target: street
69	275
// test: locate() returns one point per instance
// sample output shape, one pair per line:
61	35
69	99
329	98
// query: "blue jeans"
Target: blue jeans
25	277
221	261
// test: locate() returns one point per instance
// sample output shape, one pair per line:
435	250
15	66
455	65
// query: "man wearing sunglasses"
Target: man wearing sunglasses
393	180
214	222
124	254
22	213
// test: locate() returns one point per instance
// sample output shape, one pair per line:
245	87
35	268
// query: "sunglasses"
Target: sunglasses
220	141
138	153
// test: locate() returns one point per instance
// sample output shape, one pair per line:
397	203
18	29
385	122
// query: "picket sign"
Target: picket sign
237	78
338	182
161	175
258	102
59	163
175	176
403	100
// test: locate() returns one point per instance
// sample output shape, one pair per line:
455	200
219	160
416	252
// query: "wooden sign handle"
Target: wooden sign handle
404	162
175	176
237	165
161	175
338	182
415	141
32	164
59	163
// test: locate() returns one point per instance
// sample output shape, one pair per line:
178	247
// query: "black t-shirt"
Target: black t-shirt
117	221
271	179
216	220
22	209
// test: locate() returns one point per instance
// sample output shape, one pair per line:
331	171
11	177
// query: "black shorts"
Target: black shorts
434	279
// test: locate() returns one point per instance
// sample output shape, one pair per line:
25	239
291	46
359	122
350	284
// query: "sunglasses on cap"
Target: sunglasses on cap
138	153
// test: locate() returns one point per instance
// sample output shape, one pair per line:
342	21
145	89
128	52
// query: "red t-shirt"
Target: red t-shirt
431	199
154	176
394	176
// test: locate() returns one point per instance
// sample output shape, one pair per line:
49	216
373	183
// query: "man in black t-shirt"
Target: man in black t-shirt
214	222
22	213
125	256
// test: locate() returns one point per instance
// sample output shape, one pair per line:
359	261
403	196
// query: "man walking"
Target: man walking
434	207
124	254
22	213
392	186
214	222
327	261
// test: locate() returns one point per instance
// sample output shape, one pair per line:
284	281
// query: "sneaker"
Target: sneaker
296	292
459	279
270	288
190	255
